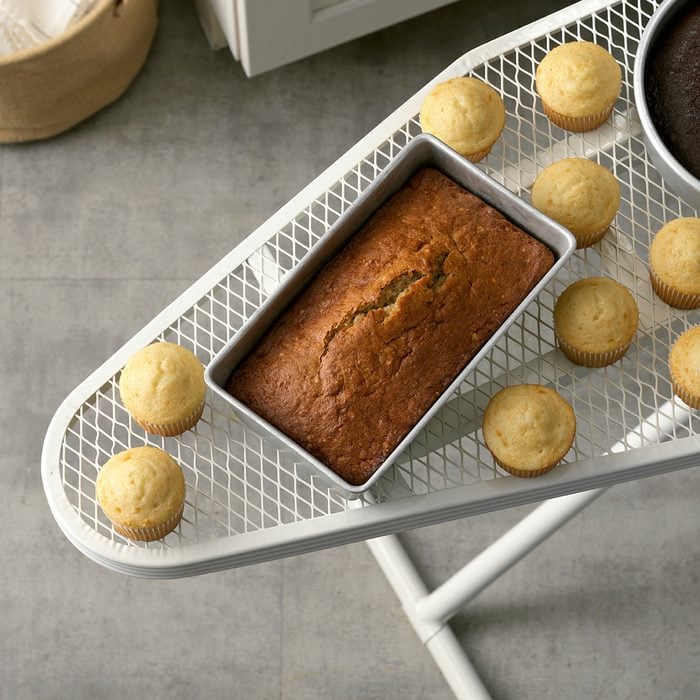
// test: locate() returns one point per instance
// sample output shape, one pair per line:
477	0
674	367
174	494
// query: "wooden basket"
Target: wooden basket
49	88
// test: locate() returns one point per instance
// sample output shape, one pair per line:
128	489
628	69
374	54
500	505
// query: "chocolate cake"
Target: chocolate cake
672	84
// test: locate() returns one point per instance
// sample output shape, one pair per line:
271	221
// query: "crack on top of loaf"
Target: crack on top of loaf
388	297
438	276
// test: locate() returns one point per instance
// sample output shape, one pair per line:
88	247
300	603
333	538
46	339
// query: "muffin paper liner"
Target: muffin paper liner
175	428
592	359
149	534
673	297
588	239
479	155
524	472
684	395
577	123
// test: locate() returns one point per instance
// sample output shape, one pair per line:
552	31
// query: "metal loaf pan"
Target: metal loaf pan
422	151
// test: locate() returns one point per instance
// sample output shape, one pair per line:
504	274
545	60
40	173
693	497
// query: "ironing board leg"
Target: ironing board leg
429	613
437	637
507	550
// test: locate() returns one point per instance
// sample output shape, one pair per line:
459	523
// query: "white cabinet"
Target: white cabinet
264	34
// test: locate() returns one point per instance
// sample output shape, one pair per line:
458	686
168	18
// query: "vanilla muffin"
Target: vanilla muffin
595	320
674	263
578	84
581	195
142	491
466	114
528	429
684	363
162	387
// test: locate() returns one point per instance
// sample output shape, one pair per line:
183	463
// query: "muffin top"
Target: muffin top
579	194
684	361
529	426
162	383
140	487
465	113
578	79
596	314
674	255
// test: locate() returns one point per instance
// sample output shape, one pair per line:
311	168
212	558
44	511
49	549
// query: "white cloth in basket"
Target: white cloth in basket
25	23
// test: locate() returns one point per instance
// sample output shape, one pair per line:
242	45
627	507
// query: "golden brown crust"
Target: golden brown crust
466	114
387	324
595	321
162	386
528	428
684	364
674	263
581	195
578	82
142	491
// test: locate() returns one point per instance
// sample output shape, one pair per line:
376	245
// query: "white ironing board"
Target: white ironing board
248	502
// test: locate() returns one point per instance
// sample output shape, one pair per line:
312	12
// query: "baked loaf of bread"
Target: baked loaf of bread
385	326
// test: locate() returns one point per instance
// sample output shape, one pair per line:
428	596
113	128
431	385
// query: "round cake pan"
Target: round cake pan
683	183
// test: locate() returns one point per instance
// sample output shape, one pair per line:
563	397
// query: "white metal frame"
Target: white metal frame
237	514
248	503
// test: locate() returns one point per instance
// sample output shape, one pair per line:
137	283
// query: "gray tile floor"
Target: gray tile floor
105	225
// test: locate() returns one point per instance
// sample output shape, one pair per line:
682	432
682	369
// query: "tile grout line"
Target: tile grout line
281	613
186	280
